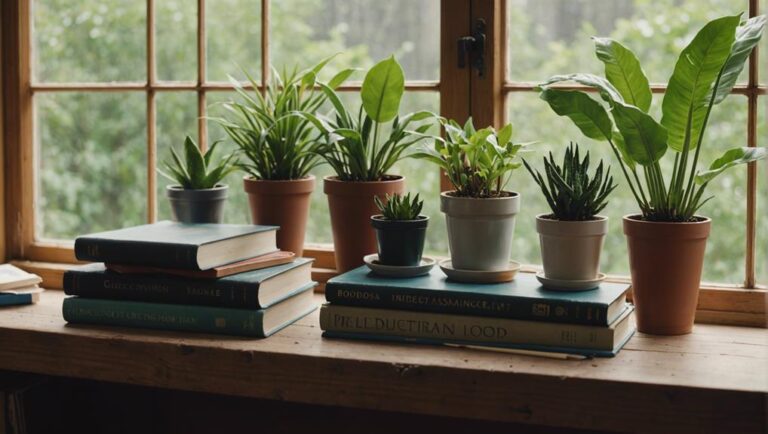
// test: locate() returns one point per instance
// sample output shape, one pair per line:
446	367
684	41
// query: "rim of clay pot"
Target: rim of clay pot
455	205
571	228
279	186
379	222
177	192
333	185
636	227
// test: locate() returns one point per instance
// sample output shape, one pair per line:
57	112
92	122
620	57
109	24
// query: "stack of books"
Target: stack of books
520	314
17	287
211	278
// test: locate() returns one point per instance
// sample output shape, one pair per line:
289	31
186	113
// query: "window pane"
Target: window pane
362	31
176	119
176	40
727	128
763	47
233	37
762	195
77	41
91	162
548	37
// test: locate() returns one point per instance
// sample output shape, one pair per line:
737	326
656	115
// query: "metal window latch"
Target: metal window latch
473	48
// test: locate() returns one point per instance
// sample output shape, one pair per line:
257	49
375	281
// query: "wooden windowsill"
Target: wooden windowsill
710	381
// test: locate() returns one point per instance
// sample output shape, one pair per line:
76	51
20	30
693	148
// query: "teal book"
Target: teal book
178	245
350	322
11	299
249	290
523	298
257	323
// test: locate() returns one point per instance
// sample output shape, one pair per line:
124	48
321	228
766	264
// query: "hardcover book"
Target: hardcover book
434	328
177	245
240	322
523	298
12	277
253	289
257	263
14	299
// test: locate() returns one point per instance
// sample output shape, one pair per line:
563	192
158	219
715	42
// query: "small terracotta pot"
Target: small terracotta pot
570	250
197	206
284	204
351	205
400	242
665	260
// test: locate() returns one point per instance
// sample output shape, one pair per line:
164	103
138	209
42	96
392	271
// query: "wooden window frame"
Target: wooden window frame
462	93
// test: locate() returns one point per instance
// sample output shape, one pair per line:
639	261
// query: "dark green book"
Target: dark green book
239	322
523	298
250	290
177	245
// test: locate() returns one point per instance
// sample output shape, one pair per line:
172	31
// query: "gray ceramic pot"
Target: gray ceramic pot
197	206
570	250
480	230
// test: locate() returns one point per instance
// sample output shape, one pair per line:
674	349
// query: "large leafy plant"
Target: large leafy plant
399	207
197	170
277	143
355	146
572	194
704	75
477	162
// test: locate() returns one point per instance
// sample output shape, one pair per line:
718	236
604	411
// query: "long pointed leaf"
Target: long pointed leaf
623	70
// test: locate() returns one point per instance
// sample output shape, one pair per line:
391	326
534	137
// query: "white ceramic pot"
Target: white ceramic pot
480	230
570	250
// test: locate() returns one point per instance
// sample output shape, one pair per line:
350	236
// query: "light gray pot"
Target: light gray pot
570	250
197	206
480	230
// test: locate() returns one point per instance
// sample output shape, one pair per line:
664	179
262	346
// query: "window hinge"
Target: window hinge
473	48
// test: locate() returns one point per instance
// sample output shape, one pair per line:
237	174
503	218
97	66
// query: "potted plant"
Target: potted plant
198	195
667	238
571	236
279	148
400	230
361	155
479	212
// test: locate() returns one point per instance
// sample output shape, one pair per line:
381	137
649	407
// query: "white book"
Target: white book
12	277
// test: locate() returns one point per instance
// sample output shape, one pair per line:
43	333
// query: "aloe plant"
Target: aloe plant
399	207
571	193
197	170
477	162
354	145
704	76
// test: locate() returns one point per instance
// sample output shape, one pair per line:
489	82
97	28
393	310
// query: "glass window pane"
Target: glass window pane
91	162
176	40
763	47
727	128
761	257
233	38
362	31
549	37
77	41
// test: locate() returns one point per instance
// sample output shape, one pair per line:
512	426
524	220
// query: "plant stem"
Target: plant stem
640	202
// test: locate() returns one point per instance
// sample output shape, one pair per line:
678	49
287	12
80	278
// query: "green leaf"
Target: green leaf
623	70
382	90
644	138
685	101
588	115
607	91
747	37
195	162
731	158
340	77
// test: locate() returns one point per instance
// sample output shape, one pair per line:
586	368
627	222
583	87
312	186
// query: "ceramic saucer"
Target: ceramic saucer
475	276
569	285
372	261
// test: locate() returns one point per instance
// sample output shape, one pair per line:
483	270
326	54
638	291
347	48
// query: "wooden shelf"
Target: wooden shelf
713	380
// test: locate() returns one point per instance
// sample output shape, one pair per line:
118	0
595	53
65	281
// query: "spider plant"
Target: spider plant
399	207
197	170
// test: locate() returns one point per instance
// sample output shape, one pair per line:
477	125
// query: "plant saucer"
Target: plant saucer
569	285
477	276
372	261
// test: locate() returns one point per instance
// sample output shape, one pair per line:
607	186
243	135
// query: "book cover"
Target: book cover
257	323
11	299
12	277
257	263
177	245
420	327
523	298
252	290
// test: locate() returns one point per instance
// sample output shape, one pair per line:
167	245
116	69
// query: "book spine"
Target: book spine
202	319
462	329
164	255
206	292
467	304
16	299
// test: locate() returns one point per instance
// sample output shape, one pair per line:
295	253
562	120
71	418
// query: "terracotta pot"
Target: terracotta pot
400	242
197	206
284	204
570	250
665	260
351	205
480	230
